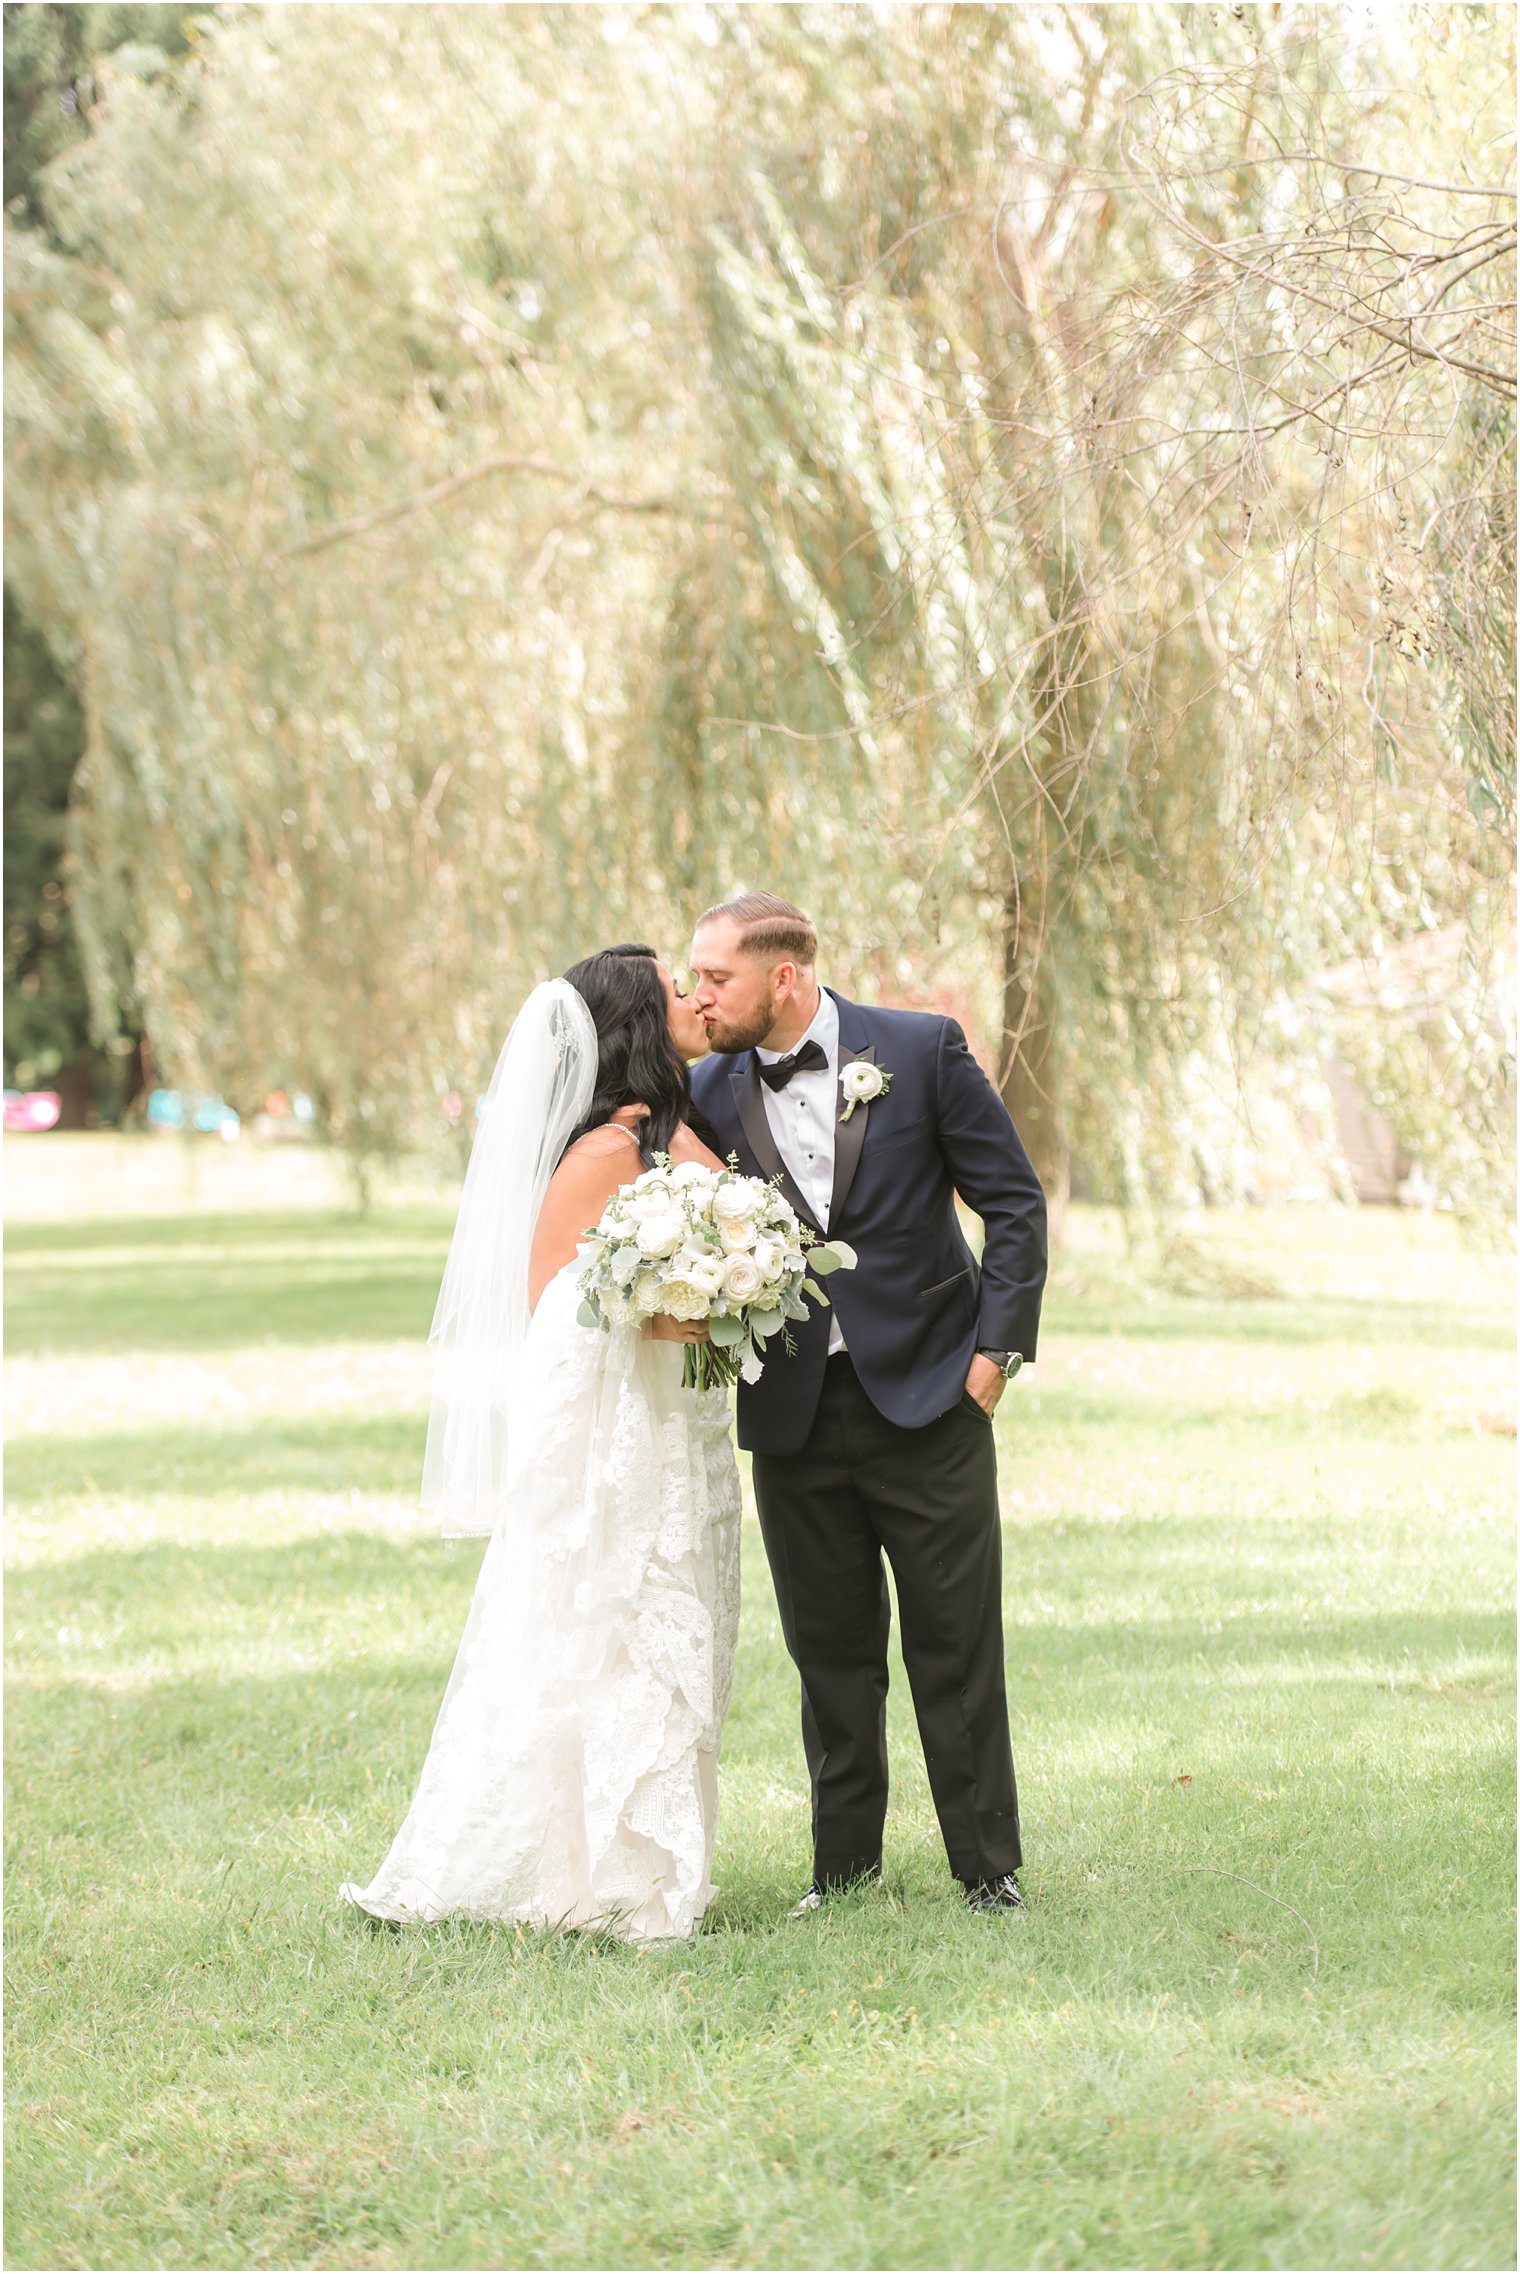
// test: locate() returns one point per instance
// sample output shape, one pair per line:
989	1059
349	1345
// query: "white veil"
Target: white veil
541	1088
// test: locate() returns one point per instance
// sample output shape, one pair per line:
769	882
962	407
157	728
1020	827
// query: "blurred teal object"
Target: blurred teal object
182	1109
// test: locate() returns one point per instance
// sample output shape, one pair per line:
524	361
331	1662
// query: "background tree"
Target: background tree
49	86
1047	477
766	443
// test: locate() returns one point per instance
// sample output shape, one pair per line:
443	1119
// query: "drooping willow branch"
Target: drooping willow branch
588	494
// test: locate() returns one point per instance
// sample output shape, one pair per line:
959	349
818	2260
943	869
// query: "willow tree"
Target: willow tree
1057	485
49	50
544	467
355	569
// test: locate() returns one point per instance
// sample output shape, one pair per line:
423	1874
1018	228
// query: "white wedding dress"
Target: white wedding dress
572	1776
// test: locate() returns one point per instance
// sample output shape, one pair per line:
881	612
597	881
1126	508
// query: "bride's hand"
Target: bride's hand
662	1329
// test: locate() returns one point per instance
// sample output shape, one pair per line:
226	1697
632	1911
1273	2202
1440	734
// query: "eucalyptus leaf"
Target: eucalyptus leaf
836	1255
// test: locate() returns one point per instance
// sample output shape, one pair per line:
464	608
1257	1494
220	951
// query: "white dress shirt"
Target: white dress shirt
802	1121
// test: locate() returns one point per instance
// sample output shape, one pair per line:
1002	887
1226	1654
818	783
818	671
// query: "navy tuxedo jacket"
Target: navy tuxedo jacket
918	1305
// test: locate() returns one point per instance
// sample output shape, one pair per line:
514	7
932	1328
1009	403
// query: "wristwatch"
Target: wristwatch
1008	1361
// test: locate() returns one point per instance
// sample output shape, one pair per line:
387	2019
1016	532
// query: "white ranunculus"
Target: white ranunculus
738	1199
690	1172
646	1296
861	1081
769	1258
706	1272
737	1235
741	1279
661	1235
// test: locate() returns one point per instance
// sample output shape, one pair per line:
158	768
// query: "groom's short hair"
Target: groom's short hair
769	927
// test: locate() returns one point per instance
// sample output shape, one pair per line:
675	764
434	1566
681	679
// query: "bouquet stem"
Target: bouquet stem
705	1367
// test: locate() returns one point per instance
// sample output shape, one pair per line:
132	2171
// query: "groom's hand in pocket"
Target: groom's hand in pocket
986	1383
661	1329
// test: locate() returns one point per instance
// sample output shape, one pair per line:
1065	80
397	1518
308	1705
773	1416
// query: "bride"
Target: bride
571	1778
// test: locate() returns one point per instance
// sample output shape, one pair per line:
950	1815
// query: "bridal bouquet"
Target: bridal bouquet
695	1243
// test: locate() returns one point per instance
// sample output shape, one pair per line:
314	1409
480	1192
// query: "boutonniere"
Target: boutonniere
861	1081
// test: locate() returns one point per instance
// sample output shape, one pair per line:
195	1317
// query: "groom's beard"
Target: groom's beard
727	1037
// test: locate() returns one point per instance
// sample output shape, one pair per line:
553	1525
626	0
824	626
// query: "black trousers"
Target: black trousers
927	1498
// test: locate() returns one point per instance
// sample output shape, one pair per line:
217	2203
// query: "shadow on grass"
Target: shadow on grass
338	1292
367	1278
1367	1323
374	1453
252	1229
382	1452
372	1600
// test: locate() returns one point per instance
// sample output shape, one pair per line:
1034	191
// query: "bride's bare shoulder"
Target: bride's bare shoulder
612	1137
686	1145
608	1154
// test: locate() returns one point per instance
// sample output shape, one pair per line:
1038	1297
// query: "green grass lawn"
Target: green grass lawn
1259	1647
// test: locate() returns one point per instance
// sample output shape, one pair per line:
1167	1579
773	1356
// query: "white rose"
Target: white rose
741	1279
737	1236
661	1235
738	1199
690	1172
640	1206
707	1273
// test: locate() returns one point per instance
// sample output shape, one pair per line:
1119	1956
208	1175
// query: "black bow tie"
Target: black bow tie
803	1061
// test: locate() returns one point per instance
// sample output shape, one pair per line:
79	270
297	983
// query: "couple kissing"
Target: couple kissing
572	1776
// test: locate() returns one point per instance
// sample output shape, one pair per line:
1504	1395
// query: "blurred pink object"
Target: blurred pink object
32	1109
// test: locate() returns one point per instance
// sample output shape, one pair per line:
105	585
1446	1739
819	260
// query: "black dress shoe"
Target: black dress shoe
995	1895
817	1896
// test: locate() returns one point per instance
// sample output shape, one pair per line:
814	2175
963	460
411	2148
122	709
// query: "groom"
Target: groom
876	1436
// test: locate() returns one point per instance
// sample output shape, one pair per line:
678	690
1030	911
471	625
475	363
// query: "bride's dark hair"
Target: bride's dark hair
637	1062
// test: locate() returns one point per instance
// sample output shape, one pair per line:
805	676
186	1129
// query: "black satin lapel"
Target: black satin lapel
849	1137
745	1083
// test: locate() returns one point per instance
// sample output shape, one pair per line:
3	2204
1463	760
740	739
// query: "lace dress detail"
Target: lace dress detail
571	1779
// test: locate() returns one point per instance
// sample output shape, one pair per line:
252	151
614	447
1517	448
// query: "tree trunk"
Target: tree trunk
75	1084
1032	1073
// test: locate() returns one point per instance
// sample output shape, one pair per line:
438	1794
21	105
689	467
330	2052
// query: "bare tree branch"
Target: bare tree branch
607	501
